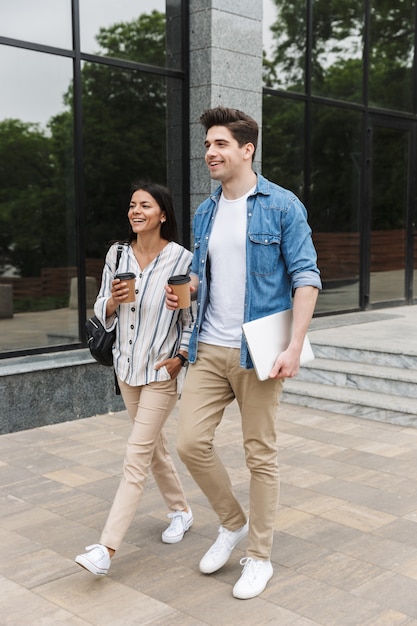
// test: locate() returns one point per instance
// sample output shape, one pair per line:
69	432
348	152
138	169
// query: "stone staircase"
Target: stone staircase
365	383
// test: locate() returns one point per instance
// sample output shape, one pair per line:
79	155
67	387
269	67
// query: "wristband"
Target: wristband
181	358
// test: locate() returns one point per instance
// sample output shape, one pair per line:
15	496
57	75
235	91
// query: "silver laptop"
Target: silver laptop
267	337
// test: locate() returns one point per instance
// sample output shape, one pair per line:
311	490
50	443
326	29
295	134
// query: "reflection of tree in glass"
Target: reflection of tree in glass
283	143
285	68
392	54
337	46
124	126
32	197
337	72
123	138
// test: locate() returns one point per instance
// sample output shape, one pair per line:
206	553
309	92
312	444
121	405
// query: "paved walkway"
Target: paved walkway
345	550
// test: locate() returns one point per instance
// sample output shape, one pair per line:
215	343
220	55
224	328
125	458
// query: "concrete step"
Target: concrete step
398	381
372	405
356	354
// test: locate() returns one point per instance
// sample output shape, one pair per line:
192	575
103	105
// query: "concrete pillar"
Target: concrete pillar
225	69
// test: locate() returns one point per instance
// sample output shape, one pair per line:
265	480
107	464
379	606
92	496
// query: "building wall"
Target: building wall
52	388
226	69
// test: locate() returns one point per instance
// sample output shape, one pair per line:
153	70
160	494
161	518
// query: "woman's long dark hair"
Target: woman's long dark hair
163	197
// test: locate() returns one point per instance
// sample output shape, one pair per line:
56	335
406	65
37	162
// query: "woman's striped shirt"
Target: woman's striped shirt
146	331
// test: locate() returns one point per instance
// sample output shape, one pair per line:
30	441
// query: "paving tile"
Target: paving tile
401	530
412	516
37	490
301	477
359	517
383	481
314	463
340	571
386	553
36	568
319	601
290	551
75	476
306	499
101	600
26	516
408	569
20	606
14	546
393	591
390	618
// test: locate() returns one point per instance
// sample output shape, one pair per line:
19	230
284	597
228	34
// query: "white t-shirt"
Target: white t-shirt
223	320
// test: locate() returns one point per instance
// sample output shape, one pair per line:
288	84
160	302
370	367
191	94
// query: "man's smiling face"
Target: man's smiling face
224	156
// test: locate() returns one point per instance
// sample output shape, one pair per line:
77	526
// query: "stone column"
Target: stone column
226	70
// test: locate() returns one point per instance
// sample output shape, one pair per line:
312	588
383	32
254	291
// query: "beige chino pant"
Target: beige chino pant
148	407
212	383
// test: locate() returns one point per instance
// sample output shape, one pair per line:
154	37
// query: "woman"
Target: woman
150	350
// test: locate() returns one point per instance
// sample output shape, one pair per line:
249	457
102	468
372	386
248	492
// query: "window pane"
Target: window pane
414	249
390	148
132	29
284	42
124	139
33	84
391	55
335	204
337	50
415	273
283	142
37	231
46	22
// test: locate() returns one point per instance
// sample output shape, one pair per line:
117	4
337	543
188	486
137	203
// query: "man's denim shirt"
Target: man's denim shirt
280	255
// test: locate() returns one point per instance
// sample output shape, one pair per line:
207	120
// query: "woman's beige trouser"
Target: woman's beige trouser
149	407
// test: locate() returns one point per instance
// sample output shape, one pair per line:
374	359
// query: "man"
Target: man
253	256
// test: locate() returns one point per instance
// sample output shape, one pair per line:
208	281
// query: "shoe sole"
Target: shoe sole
178	538
211	570
90	567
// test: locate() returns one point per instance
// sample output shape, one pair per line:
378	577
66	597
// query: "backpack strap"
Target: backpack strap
120	248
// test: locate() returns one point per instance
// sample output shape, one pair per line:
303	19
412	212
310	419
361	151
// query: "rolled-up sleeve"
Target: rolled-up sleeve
306	279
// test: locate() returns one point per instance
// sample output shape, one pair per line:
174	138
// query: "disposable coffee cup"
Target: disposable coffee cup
129	279
180	286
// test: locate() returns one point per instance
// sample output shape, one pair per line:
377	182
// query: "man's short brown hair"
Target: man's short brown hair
243	127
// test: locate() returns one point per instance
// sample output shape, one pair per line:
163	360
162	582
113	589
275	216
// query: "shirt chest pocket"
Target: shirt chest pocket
264	250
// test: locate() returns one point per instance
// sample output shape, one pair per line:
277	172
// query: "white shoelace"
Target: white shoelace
222	540
177	525
97	552
250	567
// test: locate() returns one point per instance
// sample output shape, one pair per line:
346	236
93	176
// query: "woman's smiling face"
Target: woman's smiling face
144	213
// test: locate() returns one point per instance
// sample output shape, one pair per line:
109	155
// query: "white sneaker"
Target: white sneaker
181	522
96	560
254	578
222	548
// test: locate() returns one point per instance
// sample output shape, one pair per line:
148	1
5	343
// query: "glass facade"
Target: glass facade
340	109
92	99
96	96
